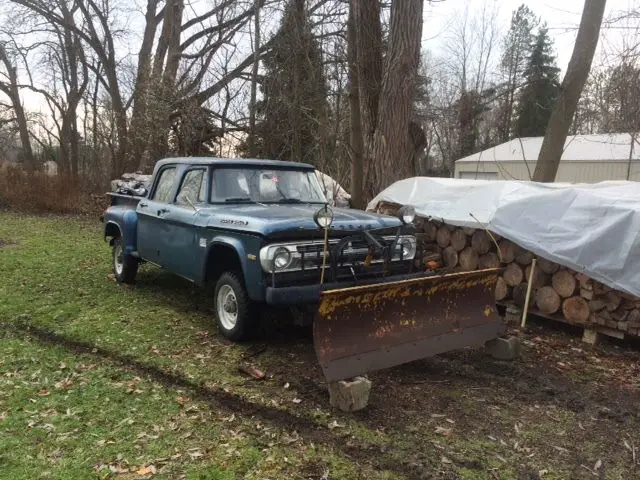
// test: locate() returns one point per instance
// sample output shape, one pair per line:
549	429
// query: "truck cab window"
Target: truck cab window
193	187
165	185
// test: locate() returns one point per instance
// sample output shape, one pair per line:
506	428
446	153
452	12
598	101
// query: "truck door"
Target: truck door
152	227
182	251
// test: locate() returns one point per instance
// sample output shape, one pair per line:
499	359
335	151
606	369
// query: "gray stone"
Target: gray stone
350	395
503	348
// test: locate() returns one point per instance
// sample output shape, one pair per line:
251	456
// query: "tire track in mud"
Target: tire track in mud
218	398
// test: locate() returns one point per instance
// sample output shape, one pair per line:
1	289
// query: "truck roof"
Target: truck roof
253	162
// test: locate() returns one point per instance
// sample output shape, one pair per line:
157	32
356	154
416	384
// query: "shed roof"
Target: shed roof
613	147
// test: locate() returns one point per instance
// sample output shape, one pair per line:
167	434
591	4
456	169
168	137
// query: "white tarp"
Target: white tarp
590	228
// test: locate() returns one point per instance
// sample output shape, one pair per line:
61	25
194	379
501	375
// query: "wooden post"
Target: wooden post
525	310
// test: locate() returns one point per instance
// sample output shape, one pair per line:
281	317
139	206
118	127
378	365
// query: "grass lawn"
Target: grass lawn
101	380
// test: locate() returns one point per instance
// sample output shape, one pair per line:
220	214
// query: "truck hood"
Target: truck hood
285	220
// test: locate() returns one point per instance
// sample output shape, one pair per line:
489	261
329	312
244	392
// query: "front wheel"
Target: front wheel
234	315
125	267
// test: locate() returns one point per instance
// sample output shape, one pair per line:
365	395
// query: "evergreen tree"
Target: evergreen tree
541	88
513	63
292	115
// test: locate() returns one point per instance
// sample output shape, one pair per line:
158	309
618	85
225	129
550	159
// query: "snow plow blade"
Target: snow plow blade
366	328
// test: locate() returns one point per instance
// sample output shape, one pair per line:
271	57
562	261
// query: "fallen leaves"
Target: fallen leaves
148	470
444	431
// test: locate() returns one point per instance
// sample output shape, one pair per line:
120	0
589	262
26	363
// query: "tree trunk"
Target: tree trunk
393	149
356	140
251	141
139	117
368	31
570	91
12	91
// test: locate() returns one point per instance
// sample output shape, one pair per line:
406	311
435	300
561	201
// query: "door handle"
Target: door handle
144	205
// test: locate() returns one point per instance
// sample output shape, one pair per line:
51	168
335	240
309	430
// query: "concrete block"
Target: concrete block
350	395
503	348
590	336
513	314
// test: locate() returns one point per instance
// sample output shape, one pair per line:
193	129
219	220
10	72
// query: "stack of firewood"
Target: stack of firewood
556	290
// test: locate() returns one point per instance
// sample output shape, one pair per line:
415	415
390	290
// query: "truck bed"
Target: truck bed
124	200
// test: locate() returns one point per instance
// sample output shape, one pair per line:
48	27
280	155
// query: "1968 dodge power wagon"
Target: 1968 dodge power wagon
261	232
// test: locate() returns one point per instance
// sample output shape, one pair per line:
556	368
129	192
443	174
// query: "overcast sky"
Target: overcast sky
562	18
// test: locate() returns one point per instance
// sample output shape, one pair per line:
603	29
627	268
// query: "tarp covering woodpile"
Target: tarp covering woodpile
590	228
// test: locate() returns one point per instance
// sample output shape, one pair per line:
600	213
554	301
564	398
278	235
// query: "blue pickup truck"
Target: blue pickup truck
252	228
261	232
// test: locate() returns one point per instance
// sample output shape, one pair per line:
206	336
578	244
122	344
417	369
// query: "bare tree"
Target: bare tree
570	90
10	87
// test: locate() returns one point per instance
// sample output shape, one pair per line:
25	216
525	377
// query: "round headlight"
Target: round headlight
408	249
281	258
407	214
323	217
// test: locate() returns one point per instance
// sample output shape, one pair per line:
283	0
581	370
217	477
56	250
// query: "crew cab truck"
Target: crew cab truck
261	232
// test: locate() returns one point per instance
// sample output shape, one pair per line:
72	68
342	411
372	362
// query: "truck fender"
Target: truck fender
125	226
254	288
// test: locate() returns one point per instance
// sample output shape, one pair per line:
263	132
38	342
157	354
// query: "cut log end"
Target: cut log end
564	283
524	258
458	240
443	236
547	300
539	278
507	251
576	309
489	260
520	294
480	242
513	274
430	230
450	256
502	290
547	266
468	259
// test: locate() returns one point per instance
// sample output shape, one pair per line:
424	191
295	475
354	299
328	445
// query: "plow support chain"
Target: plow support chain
366	328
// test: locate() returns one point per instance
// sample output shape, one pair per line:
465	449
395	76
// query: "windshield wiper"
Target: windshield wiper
291	200
242	200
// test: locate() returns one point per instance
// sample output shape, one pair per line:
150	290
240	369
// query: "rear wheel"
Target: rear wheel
125	267
234	312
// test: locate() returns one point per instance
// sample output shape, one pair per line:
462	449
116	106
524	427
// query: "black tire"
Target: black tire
240	327
125	267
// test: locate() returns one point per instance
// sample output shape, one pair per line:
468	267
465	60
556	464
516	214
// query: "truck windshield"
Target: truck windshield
260	185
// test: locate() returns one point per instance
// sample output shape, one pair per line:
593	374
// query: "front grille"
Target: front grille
312	254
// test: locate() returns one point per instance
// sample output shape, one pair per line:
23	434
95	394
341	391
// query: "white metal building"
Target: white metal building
586	159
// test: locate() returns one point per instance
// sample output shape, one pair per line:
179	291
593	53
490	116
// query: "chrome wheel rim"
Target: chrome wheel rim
118	259
227	307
